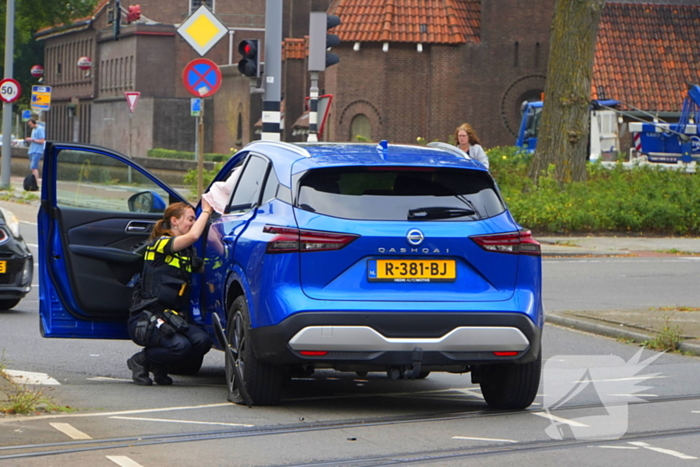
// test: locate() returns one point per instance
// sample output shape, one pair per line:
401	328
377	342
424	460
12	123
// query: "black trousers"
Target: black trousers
164	350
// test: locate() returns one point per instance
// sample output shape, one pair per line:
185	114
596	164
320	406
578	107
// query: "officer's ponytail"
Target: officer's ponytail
163	226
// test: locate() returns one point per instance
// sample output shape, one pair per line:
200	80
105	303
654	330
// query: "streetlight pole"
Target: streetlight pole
271	115
6	166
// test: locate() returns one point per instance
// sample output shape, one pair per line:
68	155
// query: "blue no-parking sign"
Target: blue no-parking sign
201	77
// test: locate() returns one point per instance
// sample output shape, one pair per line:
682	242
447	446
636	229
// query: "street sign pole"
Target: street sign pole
5	166
200	151
271	116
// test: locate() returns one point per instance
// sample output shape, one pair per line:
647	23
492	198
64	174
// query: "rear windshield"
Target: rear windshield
400	194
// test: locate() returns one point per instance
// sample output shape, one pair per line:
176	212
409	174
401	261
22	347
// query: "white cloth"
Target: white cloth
219	194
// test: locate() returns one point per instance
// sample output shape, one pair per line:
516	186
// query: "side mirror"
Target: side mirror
146	201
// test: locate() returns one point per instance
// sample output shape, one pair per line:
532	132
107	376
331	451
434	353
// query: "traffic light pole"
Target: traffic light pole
271	116
313	108
7	106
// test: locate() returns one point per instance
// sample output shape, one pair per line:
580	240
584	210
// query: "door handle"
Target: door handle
139	226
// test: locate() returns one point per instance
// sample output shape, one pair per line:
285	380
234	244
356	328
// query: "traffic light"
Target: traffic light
320	41
250	63
134	13
116	23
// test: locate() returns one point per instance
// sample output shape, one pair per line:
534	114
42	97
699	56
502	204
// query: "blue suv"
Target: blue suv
354	257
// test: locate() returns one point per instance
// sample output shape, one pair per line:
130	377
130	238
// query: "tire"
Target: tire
511	387
423	375
263	381
9	303
189	367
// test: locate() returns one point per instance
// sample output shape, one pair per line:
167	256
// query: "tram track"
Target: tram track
78	446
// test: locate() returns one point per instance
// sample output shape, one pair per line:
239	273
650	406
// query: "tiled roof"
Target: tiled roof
646	54
427	21
295	48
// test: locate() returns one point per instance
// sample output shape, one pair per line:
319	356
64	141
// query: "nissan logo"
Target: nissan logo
415	237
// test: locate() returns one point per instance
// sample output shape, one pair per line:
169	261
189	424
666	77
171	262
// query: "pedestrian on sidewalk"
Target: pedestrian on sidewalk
37	142
468	141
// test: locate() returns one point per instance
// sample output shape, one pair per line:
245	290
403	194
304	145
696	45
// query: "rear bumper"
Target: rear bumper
445	339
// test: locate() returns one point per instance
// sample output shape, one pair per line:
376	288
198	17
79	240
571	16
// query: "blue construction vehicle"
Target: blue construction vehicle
604	134
671	143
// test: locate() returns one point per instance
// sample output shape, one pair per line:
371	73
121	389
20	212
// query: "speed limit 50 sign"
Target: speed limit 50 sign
10	90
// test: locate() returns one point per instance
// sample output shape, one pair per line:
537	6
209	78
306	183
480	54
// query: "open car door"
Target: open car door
97	208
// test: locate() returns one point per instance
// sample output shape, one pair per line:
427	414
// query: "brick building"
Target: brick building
406	71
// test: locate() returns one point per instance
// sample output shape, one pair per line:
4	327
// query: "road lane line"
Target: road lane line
124	461
670	452
554	418
614	447
486	439
70	431
30	377
167	420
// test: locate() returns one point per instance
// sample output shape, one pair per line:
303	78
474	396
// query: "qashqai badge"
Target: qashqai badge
415	237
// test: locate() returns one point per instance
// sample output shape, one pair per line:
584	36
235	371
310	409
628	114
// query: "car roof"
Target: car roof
299	157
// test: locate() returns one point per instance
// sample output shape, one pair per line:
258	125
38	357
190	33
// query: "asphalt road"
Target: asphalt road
341	419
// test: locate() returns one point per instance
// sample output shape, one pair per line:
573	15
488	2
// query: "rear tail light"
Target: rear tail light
509	353
516	243
289	240
314	353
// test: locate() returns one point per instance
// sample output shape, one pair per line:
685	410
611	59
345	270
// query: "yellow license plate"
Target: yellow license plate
3	267
418	270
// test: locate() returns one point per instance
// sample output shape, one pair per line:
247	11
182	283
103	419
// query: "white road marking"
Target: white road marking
124	412
107	378
166	420
124	461
486	439
631	378
70	431
554	418
33	245
670	452
27	222
30	377
614	447
634	395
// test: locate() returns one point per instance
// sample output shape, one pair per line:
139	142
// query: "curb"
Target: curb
609	331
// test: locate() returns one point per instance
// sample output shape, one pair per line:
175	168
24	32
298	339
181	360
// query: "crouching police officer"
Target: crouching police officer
157	319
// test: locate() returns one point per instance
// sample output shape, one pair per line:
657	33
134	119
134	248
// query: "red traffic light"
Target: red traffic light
249	64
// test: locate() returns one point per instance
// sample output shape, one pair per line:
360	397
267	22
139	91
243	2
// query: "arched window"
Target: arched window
360	128
239	129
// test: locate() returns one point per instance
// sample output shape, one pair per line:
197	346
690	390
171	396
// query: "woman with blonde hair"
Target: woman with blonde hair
468	141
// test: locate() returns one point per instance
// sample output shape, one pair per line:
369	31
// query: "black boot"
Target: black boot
139	366
160	375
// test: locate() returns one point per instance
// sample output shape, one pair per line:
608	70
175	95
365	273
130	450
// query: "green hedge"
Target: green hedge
641	200
185	155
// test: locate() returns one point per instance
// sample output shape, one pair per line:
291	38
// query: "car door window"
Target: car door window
247	193
271	186
86	179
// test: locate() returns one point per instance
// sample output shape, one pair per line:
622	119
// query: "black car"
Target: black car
16	262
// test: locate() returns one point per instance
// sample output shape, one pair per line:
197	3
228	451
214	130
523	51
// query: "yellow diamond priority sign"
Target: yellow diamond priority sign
202	30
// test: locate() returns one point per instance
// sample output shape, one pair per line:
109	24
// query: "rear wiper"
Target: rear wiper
438	213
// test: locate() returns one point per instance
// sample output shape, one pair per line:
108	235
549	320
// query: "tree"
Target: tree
31	16
563	135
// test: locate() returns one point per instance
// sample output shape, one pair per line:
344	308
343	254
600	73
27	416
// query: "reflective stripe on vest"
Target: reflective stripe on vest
175	260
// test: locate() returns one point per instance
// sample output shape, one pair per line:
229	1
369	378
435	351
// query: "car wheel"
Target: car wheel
191	366
511	387
9	303
263	381
423	375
